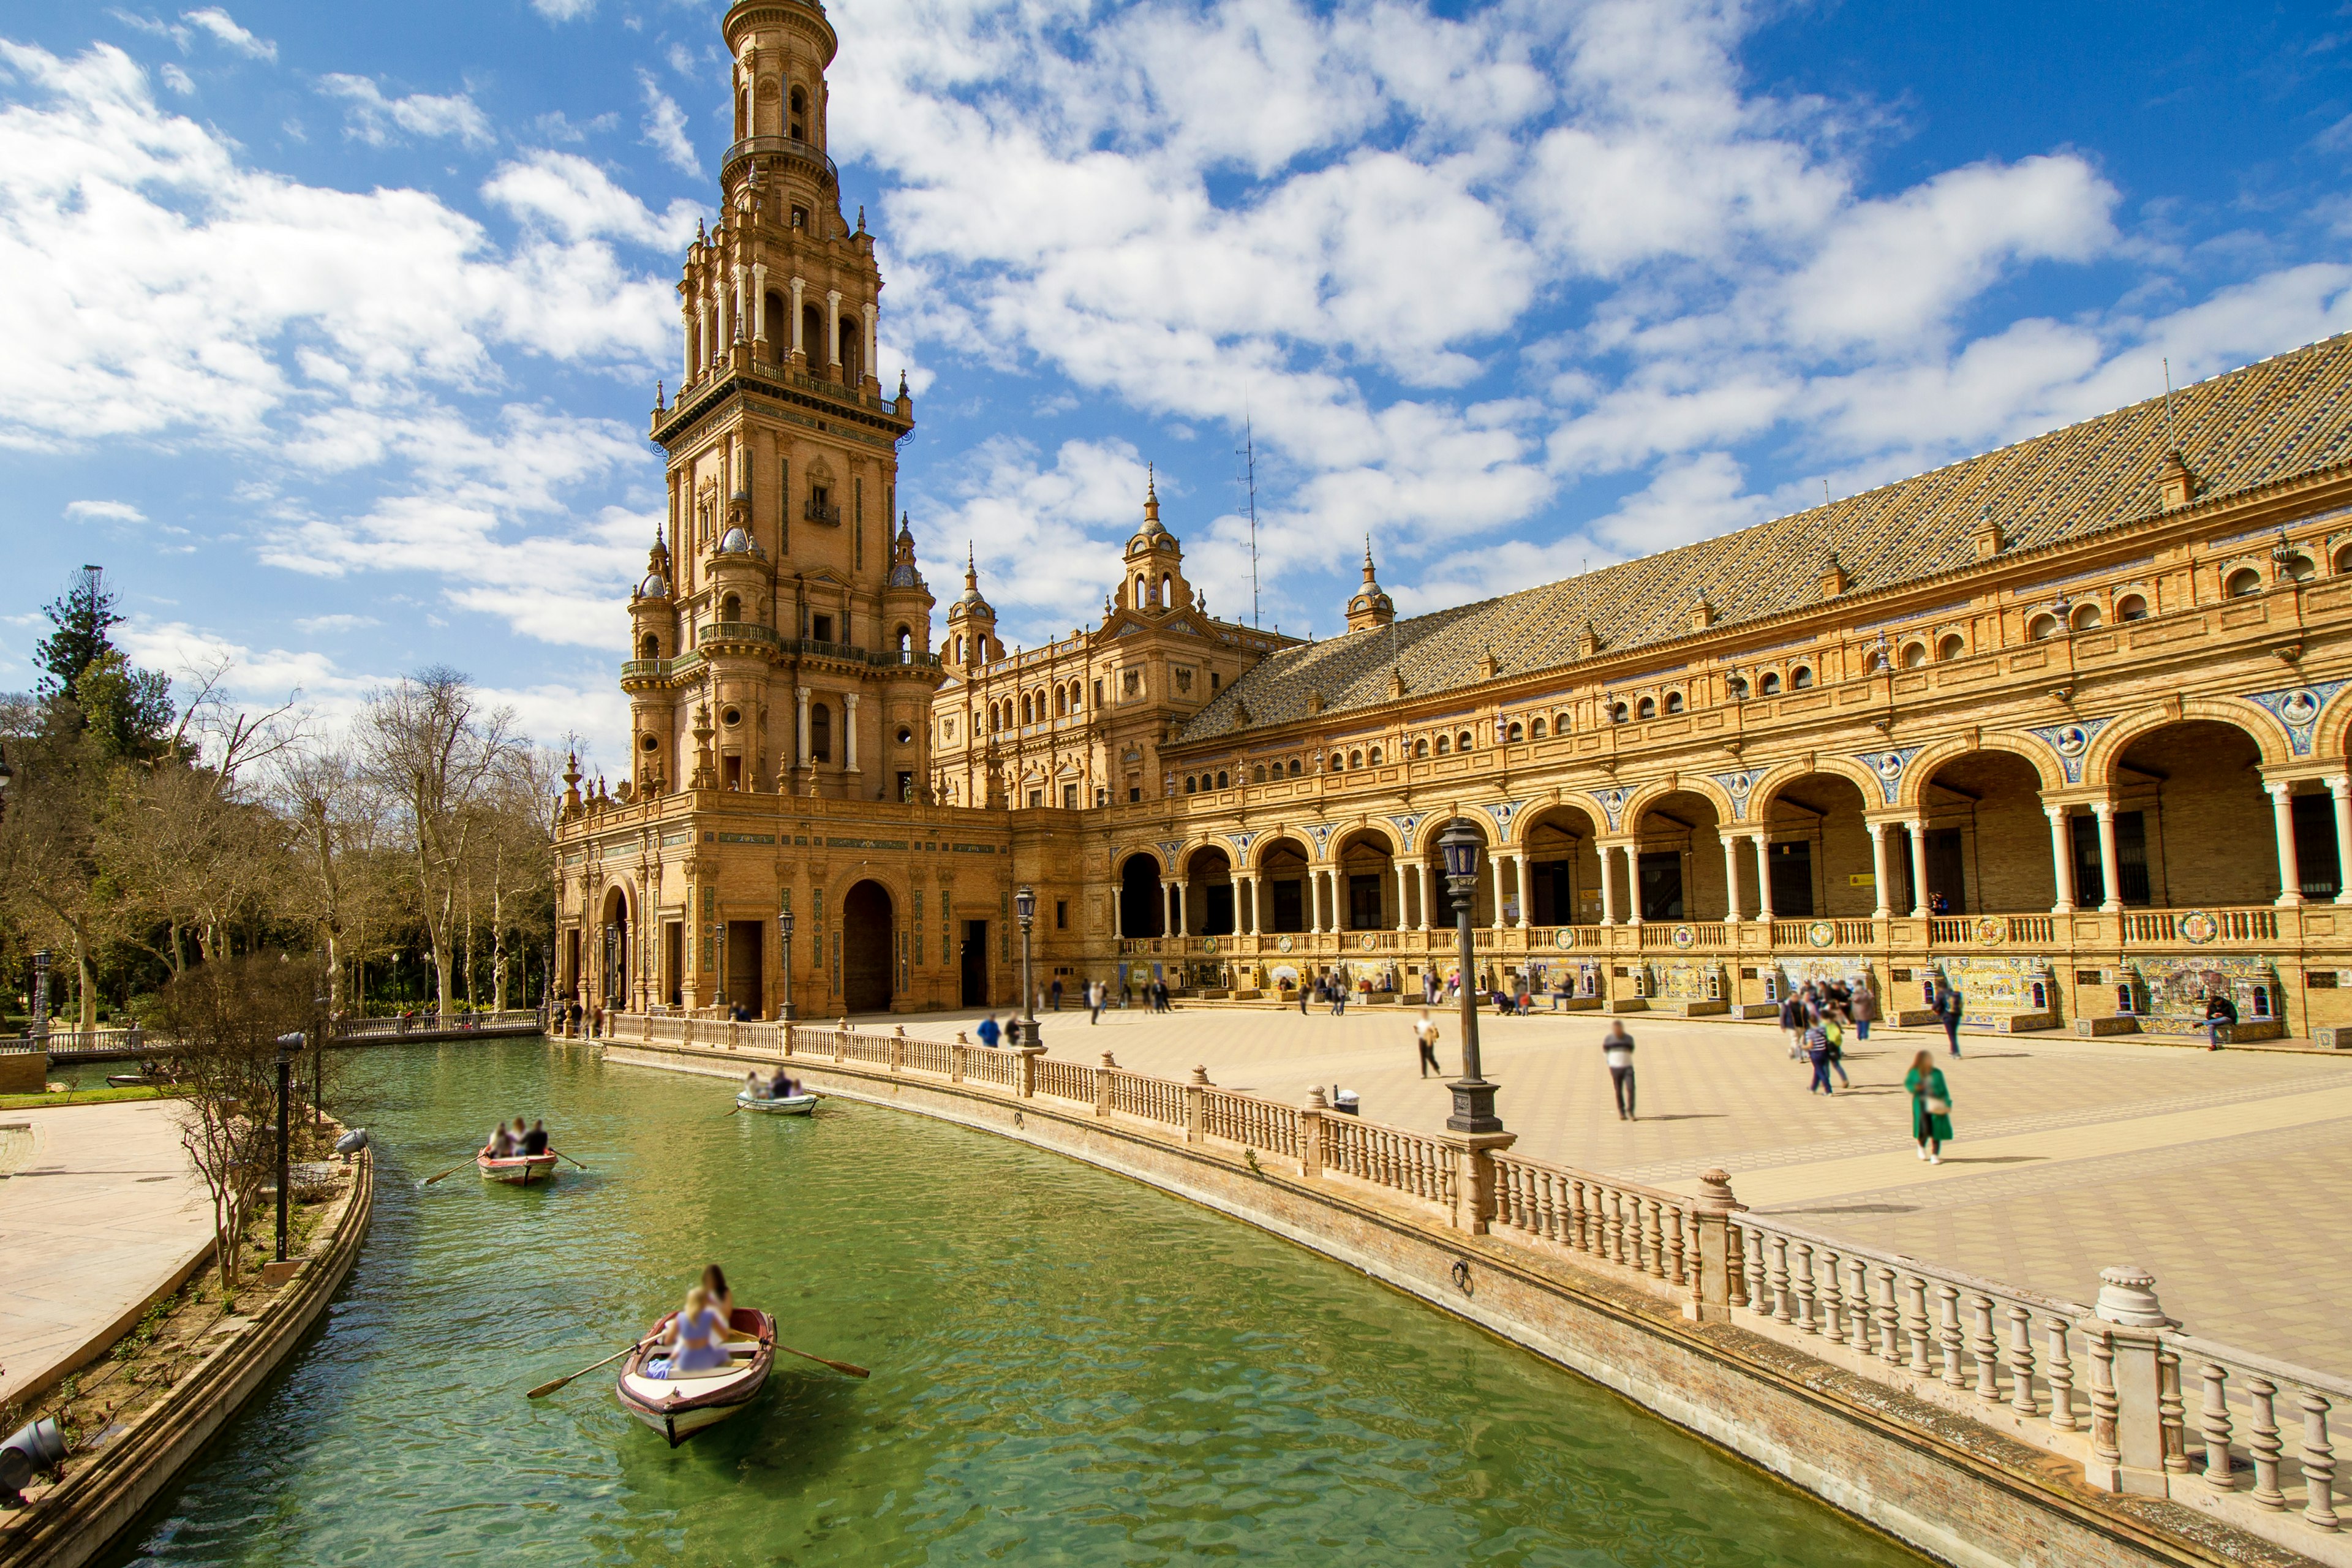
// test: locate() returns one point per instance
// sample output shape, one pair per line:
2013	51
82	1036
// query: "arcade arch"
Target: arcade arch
1142	908
1207	891
868	947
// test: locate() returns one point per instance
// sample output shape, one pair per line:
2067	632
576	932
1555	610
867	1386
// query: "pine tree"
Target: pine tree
82	617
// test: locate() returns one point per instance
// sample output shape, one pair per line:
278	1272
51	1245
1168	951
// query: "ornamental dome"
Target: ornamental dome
736	541
653	588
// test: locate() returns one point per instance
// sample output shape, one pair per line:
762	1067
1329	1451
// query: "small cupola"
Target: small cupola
1154	578
903	571
1370	606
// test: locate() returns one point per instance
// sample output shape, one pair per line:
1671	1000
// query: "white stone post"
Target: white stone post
1763	882
1519	876
759	301
2062	859
874	341
1607	884
849	732
1184	907
1420	869
1119	913
1878	867
800	348
1402	908
833	326
2340	787
2283	822
688	318
1494	865
1166	925
2111	897
1730	879
801	697
1918	828
736	310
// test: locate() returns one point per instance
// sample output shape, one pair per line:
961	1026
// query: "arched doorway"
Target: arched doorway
1209	892
1141	910
1817	855
2193	828
1281	867
1986	840
613	952
1441	911
867	942
1366	881
1678	860
1563	868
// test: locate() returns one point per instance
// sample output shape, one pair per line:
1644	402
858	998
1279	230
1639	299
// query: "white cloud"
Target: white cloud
178	80
563	10
223	27
104	511
315	625
378	120
573	198
666	128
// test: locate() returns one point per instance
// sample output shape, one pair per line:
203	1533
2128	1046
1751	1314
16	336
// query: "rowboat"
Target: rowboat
785	1105
517	1169
680	1405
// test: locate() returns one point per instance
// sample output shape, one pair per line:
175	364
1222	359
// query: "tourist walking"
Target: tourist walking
1617	1050
1931	1106
1095	989
1948	1009
1338	994
1302	998
1865	1011
1792	1023
1833	1027
1057	993
988	1032
1817	1051
2220	1012
1424	1035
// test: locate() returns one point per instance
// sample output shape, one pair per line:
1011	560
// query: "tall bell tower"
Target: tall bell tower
792	645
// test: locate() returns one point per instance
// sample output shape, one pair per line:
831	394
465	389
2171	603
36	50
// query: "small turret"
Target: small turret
1370	606
1154	580
972	623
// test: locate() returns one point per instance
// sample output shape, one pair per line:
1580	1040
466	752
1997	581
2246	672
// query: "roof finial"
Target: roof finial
1150	494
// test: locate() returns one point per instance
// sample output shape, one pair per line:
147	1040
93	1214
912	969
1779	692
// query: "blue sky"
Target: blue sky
332	330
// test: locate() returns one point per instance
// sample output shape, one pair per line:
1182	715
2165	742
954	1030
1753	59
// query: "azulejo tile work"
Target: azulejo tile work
2063	724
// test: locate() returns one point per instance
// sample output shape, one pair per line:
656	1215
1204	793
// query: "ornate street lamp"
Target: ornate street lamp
1474	1097
38	1028
784	927
1024	904
288	1044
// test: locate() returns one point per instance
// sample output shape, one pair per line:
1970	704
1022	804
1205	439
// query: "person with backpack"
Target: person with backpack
2221	1014
1833	1030
1948	1010
1817	1051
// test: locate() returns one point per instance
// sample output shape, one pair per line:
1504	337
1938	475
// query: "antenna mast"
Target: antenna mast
1249	473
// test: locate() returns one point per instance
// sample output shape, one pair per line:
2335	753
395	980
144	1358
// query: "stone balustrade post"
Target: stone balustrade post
1193	1097
1310	1135
784	1033
1027	1078
1103	1080
2127	1449
734	1035
1474	1177
955	1057
1711	1292
899	1048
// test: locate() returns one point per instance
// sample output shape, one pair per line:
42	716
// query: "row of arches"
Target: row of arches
1062	699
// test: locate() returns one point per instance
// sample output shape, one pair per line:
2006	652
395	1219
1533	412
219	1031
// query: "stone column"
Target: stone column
2340	787
759	301
689	316
1403	897
833	326
1184	907
1878	867
1731	878
1314	902
1519	876
1119	913
1711	1301
1918	828
1421	869
2110	895
849	732
800	348
2062	859
1607	884
1495	863
800	698
874	341
2282	822
1763	881
735	318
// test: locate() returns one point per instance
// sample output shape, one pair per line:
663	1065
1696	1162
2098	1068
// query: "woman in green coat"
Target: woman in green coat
1931	1106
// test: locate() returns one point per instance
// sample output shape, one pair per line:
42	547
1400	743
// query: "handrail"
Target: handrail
783	147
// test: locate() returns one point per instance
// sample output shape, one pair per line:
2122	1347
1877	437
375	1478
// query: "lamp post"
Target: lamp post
785	928
288	1044
1024	904
1474	1097
40	1026
317	1061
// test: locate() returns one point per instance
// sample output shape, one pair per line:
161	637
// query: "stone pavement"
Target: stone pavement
101	1211
2209	1169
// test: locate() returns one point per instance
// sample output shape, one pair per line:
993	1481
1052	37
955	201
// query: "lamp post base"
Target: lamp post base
1474	1107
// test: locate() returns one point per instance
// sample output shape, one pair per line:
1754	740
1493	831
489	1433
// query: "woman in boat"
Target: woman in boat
502	1144
752	1085
695	1335
722	1299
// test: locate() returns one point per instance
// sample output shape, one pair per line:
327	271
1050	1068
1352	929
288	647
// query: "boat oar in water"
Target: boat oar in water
561	1155
546	1388
450	1172
836	1365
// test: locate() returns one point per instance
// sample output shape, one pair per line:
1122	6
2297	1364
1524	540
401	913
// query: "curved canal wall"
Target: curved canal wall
104	1493
1929	1470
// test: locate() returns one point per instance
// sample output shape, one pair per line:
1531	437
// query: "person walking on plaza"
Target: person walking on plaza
2220	1012
1057	993
1617	1050
1948	1009
1865	1012
1425	1035
1792	1023
1302	998
1817	1051
988	1032
1931	1106
1094	1001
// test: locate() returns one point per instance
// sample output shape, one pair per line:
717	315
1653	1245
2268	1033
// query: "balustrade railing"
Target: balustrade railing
1066	1080
1407	1163
1646	1229
2164	926
1250	1122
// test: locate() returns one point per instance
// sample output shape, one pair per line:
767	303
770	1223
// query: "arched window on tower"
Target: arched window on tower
852	349
731	608
650	647
905	644
820	732
742	113
779	322
1025	718
798	128
1167	590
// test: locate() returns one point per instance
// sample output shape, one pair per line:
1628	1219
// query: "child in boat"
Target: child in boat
695	1336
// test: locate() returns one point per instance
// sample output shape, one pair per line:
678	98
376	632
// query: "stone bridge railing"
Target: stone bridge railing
2106	1387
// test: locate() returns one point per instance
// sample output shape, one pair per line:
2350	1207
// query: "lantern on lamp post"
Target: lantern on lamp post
784	929
1474	1097
1024	904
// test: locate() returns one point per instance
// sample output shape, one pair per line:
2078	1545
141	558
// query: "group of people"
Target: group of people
515	1142
701	1330
782	1085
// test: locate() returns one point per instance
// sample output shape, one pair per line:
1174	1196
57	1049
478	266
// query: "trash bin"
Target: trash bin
1344	1101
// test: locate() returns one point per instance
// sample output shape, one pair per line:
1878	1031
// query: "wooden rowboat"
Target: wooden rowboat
520	1170
679	1406
787	1105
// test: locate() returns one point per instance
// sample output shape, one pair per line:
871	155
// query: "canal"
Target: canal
1068	1368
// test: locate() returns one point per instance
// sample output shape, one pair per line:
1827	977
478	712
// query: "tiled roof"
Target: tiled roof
2272	420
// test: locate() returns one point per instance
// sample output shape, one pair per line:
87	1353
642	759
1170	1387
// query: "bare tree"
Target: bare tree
227	1017
428	745
51	867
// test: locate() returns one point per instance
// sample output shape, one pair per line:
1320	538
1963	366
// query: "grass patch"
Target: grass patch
83	1097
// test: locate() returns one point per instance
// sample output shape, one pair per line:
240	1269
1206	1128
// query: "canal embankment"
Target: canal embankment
1911	1401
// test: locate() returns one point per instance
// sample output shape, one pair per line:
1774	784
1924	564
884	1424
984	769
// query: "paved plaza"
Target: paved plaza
100	1210
2209	1169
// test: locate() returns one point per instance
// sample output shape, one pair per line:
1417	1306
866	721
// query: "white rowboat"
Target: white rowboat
790	1105
679	1406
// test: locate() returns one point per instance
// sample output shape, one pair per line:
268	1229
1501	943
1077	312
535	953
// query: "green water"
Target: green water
1069	1368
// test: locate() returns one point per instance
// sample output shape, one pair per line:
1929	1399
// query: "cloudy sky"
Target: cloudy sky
331	330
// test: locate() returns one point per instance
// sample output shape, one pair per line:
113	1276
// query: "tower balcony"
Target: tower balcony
733	637
809	159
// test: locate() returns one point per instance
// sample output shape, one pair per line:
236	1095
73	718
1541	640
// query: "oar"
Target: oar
546	1388
561	1155
450	1172
836	1365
